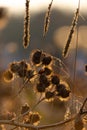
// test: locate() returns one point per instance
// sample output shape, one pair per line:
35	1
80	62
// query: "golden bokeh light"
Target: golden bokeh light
66	5
61	36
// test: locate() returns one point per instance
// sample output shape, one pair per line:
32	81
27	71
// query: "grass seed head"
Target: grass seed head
26	37
85	68
47	19
72	30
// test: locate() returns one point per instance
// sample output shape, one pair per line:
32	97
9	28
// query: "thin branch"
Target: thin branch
81	109
17	124
57	124
29	110
14	123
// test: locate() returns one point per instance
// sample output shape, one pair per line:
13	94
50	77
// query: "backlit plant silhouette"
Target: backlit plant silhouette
48	78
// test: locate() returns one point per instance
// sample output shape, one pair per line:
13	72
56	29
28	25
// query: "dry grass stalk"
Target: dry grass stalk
47	19
26	37
74	23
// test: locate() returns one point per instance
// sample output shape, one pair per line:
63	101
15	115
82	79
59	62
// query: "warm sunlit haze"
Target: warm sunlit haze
38	5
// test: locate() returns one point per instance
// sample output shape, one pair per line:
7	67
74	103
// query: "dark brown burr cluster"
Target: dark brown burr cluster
47	81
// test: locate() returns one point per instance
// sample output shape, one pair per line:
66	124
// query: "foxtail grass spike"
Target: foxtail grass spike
86	68
26	37
47	19
72	30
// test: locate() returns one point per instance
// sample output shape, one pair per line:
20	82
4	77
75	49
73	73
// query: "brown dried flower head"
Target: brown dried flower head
8	76
25	108
34	118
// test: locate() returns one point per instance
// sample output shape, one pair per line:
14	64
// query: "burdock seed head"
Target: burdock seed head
34	118
47	71
49	95
46	60
44	80
36	57
25	108
40	87
14	67
8	76
63	91
23	64
55	79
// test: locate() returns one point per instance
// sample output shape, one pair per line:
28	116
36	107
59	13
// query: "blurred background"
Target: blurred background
11	34
62	12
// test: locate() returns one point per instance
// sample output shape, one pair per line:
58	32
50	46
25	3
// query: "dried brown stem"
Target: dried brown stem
14	123
17	124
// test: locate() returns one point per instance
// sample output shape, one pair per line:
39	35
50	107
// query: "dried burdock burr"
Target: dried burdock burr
23	64
63	91
25	108
36	57
40	87
46	70
49	95
44	80
46	60
19	68
22	73
8	76
14	67
55	79
34	118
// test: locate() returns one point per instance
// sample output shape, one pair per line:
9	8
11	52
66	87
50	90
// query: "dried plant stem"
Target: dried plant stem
17	124
14	123
74	23
81	109
26	37
47	19
42	99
